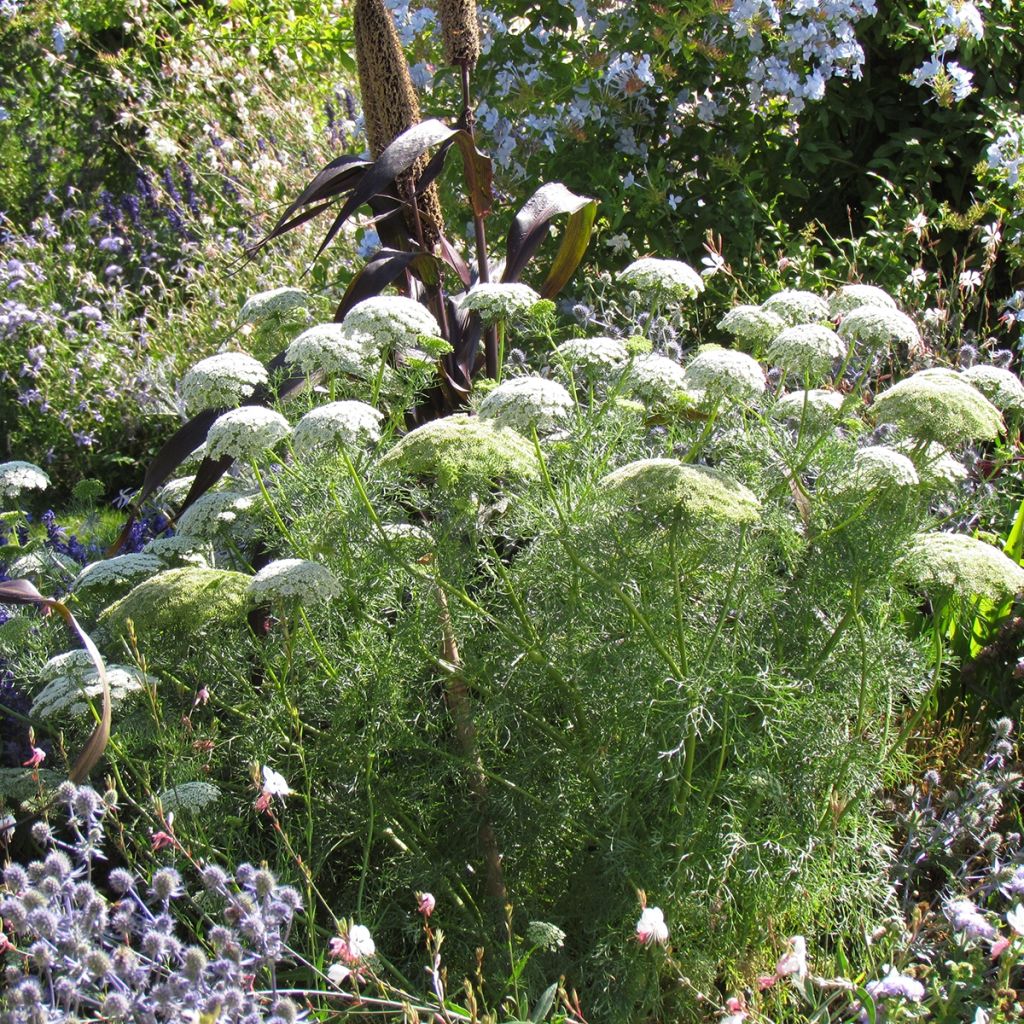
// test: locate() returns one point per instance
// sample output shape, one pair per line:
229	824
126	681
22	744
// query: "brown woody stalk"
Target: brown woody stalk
390	108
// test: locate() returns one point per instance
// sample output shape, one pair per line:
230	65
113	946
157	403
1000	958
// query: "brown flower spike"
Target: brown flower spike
460	31
390	105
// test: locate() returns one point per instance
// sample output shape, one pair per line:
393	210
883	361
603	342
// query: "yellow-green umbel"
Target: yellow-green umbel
390	106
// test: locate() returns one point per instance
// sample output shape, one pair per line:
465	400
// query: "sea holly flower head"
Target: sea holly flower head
807	350
667	278
527	404
751	327
797	307
19	476
222	381
725	372
966	918
277	302
651	929
245	433
333	349
496	301
896	986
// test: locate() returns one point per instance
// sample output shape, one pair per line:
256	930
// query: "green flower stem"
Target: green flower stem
727	601
709	425
325	662
278	521
677	587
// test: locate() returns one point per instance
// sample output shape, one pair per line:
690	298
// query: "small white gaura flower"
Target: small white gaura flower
651	929
1015	919
274	783
360	942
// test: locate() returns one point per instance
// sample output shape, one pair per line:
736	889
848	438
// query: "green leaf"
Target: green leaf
544	1004
1014	546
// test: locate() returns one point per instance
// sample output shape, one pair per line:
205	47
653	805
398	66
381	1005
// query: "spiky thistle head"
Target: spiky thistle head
390	106
460	31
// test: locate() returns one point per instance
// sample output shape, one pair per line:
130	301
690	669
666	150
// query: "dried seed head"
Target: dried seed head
460	31
390	106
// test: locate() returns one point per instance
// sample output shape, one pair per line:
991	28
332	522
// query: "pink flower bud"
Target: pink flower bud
426	903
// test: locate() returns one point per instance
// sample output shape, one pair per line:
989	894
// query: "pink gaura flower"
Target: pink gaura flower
36	759
651	928
426	903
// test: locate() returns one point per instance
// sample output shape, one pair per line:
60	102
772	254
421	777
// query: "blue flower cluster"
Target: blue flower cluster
113	952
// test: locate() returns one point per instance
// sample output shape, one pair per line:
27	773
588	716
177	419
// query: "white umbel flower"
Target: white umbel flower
724	371
497	301
935	466
393	322
880	327
174	492
853	296
963	565
878	466
666	277
408	535
338	424
222	381
807	350
332	348
1001	387
188	796
934	406
71	680
528	403
287	578
214	512
246	432
657	379
821	406
592	356
180	550
19	476
276	302
751	326
797	307
119	570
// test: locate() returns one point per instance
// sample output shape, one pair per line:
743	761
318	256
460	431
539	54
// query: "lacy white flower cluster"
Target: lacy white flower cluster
222	381
246	432
592	357
71	680
963	565
179	550
332	348
752	326
467	449
394	323
1001	387
807	350
496	301
853	296
816	406
667	278
657	379
528	403
188	796
338	424
665	485
18	476
288	578
878	327
877	466
213	512
277	302
726	372
117	571
795	306
940	406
